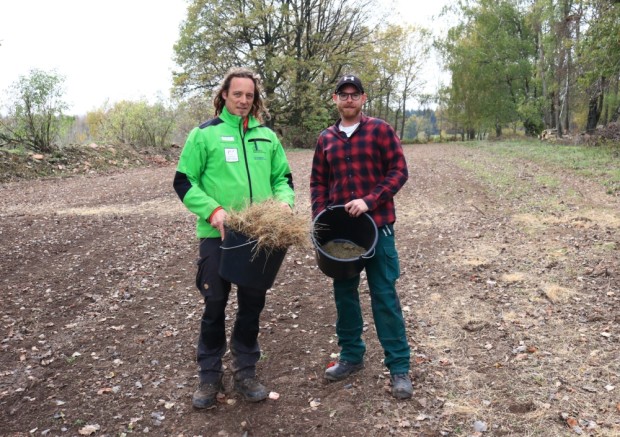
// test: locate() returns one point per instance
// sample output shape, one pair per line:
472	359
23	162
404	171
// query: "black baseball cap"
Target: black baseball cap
349	79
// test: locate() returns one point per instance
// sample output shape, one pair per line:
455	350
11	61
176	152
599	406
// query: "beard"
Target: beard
348	112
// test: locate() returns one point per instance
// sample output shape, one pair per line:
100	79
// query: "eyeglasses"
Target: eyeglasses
345	96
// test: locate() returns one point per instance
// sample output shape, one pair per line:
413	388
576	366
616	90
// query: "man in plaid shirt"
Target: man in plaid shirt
359	163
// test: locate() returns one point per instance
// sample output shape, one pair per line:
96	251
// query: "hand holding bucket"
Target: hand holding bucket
335	224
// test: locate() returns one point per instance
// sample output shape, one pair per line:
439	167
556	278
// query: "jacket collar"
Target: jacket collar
236	120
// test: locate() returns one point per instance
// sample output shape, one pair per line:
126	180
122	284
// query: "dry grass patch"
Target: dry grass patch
460	408
477	256
271	225
152	207
512	277
533	222
584	220
556	293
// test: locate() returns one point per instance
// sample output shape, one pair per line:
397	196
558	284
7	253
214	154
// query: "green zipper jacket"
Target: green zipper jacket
221	166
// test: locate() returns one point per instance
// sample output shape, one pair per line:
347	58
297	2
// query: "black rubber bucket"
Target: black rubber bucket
335	224
240	264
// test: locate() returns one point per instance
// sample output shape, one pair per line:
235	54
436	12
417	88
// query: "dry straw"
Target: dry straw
272	226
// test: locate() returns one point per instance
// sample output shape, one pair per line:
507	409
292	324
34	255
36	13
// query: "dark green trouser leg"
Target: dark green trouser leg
349	324
383	270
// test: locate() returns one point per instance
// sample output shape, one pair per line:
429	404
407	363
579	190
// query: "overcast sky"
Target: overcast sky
114	49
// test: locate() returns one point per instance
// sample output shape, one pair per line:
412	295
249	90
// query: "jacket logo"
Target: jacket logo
228	139
231	155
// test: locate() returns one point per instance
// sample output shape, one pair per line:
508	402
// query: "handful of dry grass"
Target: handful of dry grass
272	226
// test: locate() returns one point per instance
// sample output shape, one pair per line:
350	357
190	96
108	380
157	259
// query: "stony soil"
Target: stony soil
511	297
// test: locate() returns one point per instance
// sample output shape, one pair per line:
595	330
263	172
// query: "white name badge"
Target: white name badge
231	155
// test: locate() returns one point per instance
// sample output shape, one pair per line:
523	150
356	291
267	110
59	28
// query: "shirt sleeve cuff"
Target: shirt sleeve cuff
214	211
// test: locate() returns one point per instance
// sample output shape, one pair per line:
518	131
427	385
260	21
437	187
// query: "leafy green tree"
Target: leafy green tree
95	121
34	111
156	124
138	124
327	38
599	56
415	49
298	47
557	26
122	123
379	76
489	54
411	128
191	112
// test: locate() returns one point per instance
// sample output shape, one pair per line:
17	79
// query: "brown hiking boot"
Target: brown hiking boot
251	389
205	395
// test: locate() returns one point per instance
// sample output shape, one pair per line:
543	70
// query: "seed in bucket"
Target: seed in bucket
343	249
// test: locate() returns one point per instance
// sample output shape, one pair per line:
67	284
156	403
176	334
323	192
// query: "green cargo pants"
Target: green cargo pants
382	271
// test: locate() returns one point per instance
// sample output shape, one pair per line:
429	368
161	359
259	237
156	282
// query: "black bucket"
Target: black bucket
241	265
335	224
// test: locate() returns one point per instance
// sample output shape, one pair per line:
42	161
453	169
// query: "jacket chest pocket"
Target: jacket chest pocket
259	148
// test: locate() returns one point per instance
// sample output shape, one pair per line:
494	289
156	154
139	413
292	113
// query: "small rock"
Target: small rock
480	426
158	415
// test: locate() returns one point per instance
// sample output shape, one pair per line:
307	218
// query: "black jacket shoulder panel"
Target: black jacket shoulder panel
213	122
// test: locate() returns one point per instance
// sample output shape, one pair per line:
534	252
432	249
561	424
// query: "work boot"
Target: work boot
205	395
251	389
401	386
341	370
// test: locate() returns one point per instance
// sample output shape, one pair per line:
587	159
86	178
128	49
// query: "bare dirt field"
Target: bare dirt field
511	297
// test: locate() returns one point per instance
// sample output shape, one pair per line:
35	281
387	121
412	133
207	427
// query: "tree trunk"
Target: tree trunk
615	112
396	115
557	106
402	122
567	106
595	106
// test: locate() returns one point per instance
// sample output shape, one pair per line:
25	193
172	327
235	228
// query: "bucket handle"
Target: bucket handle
368	257
237	247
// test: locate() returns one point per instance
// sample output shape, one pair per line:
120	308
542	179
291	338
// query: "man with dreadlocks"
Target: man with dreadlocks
226	164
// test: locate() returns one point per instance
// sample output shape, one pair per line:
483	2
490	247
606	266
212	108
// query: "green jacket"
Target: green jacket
221	166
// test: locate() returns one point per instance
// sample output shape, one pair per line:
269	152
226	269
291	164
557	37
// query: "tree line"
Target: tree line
523	65
301	48
535	64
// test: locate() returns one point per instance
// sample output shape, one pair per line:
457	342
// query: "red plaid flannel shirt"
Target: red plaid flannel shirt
369	165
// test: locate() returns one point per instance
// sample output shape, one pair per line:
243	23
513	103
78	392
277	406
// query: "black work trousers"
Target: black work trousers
244	345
